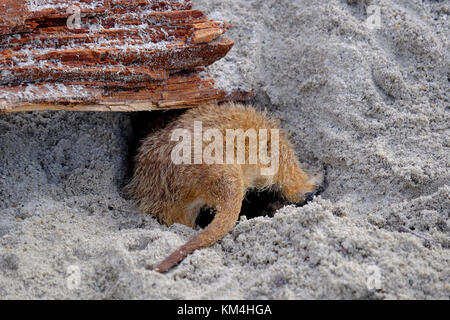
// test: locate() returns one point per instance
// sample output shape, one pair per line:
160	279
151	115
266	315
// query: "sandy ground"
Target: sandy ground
373	105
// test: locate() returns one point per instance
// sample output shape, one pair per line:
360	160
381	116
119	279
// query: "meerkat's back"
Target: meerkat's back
209	157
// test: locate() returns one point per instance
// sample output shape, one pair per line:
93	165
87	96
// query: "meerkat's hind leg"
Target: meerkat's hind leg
184	213
225	194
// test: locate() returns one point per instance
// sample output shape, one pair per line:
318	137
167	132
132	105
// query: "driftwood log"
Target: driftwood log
107	55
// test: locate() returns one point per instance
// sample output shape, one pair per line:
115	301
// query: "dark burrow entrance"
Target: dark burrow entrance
255	204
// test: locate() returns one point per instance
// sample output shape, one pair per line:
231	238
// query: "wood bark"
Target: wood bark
124	55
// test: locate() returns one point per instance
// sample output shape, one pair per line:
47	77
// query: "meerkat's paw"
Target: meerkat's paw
320	181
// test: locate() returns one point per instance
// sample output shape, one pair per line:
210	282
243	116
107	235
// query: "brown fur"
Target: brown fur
175	193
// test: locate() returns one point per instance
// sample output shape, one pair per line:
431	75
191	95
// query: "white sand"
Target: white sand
372	104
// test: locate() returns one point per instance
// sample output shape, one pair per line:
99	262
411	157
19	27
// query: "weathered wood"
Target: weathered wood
125	55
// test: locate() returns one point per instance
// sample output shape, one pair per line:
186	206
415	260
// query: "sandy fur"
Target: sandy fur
175	193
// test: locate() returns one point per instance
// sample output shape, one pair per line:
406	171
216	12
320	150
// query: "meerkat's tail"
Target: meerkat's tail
228	209
217	229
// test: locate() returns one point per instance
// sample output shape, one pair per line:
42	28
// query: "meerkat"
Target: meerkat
174	191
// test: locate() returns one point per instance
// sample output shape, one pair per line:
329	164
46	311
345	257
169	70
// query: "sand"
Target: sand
372	105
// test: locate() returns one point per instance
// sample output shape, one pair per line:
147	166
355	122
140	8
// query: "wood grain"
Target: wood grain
125	55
